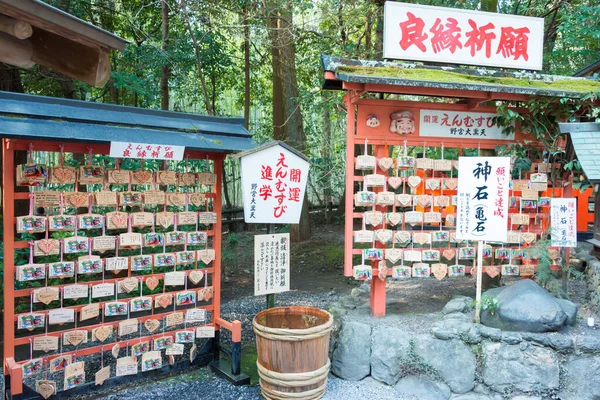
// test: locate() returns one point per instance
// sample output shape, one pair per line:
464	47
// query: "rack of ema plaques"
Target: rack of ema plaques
401	217
107	271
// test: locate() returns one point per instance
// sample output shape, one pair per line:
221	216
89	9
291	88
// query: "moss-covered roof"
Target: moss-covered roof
476	79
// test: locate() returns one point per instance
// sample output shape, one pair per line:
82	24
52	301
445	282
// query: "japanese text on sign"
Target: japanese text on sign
482	212
563	222
271	264
468	125
273	185
146	151
439	34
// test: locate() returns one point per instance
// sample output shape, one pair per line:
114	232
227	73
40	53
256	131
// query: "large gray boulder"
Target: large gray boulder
451	359
389	346
526	368
423	388
581	379
458	304
570	309
352	355
526	306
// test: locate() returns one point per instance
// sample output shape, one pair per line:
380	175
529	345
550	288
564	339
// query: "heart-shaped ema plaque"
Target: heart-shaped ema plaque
402	237
176	199
393	218
394	182
77	199
450	184
528	237
383	271
197	199
449	254
432	184
422	238
384	236
393	255
441	201
152	282
116	220
151	325
142	177
196	276
206	255
439	271
404	200
103	333
164	219
76	337
166	178
63	175
47	246
385	163
373	218
206	293
46	295
164	300
187	179
118	176
128	285
424	200
46	389
492	270
414	181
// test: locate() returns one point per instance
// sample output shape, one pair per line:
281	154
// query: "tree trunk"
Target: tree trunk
379	29
10	79
489	5
166	69
286	106
207	100
246	68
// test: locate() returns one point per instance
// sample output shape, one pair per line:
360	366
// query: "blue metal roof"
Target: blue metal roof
45	118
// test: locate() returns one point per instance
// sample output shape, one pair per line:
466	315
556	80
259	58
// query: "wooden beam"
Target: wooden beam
16	52
89	65
14	27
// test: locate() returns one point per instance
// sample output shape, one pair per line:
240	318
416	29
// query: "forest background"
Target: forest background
260	59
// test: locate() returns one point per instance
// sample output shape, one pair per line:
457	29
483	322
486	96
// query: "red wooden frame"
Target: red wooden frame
13	368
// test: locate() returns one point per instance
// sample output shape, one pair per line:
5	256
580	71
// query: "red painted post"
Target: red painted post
8	181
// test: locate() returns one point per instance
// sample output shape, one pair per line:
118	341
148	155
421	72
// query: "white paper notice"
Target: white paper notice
563	222
61	316
482	212
103	290
75	291
271	263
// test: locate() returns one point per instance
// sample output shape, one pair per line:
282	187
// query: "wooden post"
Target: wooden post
479	277
16	52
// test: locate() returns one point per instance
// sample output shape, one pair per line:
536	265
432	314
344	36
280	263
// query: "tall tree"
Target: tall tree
166	69
287	115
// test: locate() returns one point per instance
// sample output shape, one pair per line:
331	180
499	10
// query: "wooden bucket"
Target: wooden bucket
293	352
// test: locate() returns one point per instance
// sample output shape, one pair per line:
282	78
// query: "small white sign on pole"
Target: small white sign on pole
273	185
450	35
146	151
271	263
482	210
563	222
459	124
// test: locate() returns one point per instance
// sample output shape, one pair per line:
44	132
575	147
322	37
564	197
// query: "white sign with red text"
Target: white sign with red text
146	151
563	222
449	35
482	209
273	186
457	124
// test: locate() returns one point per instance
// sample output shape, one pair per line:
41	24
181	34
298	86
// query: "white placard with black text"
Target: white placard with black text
271	263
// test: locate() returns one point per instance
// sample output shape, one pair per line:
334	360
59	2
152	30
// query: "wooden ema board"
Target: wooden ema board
18	293
382	143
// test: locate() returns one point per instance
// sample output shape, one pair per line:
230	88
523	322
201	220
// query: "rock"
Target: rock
570	309
444	334
506	366
511	337
524	306
452	360
474	396
471	336
490	333
560	342
352	355
459	304
577	264
581	378
526	398
423	388
389	346
587	343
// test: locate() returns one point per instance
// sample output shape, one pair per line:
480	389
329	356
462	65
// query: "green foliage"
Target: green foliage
413	364
488	303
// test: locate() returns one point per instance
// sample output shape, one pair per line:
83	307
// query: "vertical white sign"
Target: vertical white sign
273	186
482	210
563	222
271	263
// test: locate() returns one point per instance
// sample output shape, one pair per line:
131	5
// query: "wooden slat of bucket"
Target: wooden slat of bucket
293	356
